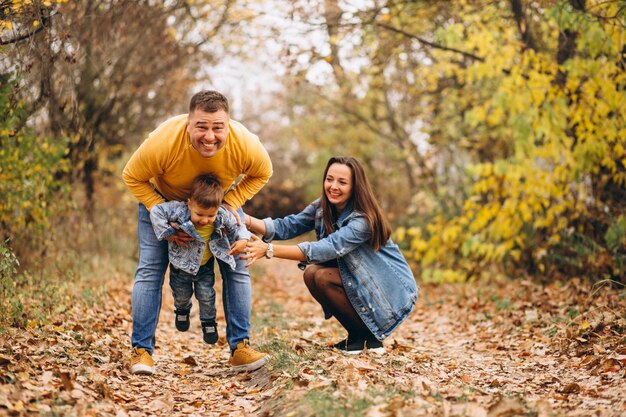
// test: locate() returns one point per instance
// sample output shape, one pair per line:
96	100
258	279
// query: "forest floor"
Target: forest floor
493	350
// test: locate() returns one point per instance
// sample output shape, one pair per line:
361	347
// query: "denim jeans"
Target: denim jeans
147	290
184	285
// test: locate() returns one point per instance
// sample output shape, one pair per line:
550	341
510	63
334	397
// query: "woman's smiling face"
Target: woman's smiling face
338	185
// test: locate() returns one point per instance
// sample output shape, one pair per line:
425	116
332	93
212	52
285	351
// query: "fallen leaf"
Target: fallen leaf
190	360
66	379
570	388
505	407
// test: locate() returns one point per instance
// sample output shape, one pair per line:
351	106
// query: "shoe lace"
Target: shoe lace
245	349
138	355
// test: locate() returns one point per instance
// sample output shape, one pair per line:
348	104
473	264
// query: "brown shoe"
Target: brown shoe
141	362
244	358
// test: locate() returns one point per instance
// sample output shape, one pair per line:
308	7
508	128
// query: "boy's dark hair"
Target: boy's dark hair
207	191
208	101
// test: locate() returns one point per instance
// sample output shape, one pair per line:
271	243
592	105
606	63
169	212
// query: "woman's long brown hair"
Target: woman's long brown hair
362	199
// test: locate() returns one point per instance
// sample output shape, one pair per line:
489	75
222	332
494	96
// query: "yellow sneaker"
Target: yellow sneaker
141	362
244	358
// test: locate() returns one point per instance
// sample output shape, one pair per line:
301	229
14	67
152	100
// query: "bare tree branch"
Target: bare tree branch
45	22
431	44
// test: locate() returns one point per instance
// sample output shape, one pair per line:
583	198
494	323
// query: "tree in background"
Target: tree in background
542	120
497	127
494	131
31	193
93	76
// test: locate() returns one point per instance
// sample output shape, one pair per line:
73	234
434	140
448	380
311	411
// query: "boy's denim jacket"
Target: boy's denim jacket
188	258
380	285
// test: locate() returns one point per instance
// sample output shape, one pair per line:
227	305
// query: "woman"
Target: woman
358	274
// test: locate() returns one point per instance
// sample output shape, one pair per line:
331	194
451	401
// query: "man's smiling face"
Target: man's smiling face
208	131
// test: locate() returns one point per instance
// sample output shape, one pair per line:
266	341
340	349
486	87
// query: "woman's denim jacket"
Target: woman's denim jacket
188	258
380	285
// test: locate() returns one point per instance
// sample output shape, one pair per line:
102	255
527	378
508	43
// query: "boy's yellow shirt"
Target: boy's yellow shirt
205	233
166	161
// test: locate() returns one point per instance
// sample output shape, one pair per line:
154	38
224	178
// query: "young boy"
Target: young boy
191	268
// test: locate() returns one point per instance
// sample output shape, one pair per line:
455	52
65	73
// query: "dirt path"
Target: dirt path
461	353
493	351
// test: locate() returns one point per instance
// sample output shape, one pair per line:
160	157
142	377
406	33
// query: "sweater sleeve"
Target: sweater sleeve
257	171
147	162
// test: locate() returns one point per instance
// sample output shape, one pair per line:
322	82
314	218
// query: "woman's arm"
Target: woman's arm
255	225
284	228
336	245
256	249
333	246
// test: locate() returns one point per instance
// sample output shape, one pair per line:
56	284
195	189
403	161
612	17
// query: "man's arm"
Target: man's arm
257	170
143	165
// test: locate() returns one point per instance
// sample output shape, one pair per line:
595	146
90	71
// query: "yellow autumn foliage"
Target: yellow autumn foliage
544	186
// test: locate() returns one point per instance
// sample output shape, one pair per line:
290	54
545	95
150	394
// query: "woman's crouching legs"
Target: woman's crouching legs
326	287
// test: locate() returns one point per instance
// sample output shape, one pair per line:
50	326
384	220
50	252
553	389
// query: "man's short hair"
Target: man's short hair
207	191
208	101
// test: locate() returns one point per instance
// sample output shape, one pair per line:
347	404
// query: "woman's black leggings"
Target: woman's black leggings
324	284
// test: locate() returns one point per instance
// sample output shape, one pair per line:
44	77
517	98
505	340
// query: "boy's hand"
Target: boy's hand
238	247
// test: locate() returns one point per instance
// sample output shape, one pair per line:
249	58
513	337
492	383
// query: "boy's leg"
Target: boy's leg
205	293
181	284
146	298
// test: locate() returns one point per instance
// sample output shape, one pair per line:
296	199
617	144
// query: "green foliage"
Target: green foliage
501	161
615	236
31	169
8	275
543	127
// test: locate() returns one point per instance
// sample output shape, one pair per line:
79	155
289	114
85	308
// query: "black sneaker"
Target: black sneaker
357	346
209	332
182	320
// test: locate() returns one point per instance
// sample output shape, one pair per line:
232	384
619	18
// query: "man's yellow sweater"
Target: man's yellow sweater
166	161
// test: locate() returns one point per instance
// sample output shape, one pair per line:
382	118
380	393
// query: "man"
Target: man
163	168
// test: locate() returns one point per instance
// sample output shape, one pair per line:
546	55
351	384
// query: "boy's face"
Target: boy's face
201	216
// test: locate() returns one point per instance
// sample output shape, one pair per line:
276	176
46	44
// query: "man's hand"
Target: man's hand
180	238
238	247
234	211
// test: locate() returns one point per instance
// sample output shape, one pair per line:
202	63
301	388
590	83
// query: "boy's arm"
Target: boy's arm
161	216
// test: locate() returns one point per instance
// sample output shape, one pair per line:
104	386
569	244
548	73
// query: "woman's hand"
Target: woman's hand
180	238
238	247
255	249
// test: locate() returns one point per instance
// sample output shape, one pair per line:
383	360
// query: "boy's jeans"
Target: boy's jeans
147	290
184	285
